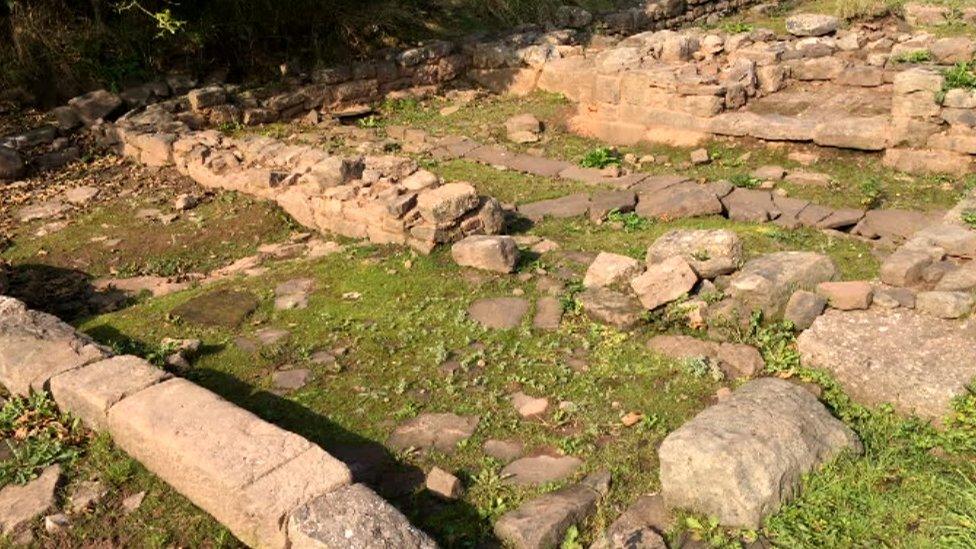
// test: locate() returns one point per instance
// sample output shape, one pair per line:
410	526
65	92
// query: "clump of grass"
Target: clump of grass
630	221
961	75
914	57
41	436
872	192
744	181
601	157
969	218
738	27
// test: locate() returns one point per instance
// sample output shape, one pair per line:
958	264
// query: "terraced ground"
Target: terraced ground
386	336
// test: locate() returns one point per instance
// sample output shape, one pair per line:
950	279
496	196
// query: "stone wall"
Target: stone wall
270	487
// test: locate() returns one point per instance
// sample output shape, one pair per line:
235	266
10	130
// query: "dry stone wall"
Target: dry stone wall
254	477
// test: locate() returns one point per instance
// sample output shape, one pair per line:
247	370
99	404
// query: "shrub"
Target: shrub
601	157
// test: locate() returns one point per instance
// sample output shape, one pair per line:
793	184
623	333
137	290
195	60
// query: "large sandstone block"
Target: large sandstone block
447	203
928	161
491	253
34	347
353	516
664	282
914	362
90	391
246	472
768	281
610	270
743	458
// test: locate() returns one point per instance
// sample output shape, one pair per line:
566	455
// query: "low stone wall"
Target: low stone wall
270	487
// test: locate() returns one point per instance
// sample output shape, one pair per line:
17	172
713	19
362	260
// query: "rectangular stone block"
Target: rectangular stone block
34	347
90	391
244	471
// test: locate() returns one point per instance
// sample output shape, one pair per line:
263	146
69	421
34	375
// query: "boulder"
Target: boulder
353	516
710	253
611	270
768	281
743	458
803	308
664	282
811	24
847	296
524	128
915	362
542	522
610	307
11	165
942	304
447	203
491	253
97	105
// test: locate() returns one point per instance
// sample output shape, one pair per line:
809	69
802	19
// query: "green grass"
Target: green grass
600	157
39	436
506	186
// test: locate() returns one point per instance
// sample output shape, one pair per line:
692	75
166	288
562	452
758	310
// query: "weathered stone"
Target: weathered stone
928	161
225	308
204	98
541	523
611	270
710	253
664	282
811	24
942	304
34	347
491	253
440	432
750	205
90	391
288	380
573	17
293	294
247	473
892	298
503	450
915	362
548	313
639	527
962	279
610	307
803	308
679	201
447	203
893	225
19	505
866	134
443	484
499	313
951	50
353	516
11	165
524	128
768	281
919	14
94	106
566	206
84	495
735	360
906	265
743	458
847	295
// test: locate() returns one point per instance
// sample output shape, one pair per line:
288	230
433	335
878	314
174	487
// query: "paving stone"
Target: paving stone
290	380
44	210
679	201
548	313
890	297
80	196
90	391
34	347
542	522
750	205
847	295
602	204
499	313
768	281
540	469
611	270
21	504
353	516
710	253
568	206
594	176
245	472
441	432
641	526
294	294
490	253
611	307
769	173
803	308
223	308
741	459
537	165
664	282
841	219
915	362
444	484
945	304
528	406
504	451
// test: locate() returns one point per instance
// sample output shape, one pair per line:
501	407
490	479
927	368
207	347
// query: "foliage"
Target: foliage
916	56
872	192
960	75
39	435
745	181
969	218
601	157
738	27
631	221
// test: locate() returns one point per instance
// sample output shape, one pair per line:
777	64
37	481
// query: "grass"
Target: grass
506	186
39	436
601	157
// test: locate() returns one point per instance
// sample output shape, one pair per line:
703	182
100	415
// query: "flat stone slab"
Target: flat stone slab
246	472
19	505
294	294
34	347
573	205
610	307
90	391
533	470
768	281
353	516
441	432
223	308
915	362
499	313
542	522
742	458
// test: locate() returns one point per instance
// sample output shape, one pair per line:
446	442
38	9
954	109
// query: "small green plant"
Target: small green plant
701	367
39	435
962	531
872	192
916	56
572	540
601	157
631	221
960	75
371	121
745	181
969	218
738	27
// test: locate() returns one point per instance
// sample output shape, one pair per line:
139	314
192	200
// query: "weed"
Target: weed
630	221
738	27
745	181
969	218
601	157
872	192
371	121
41	436
916	56
702	367
572	539
231	128
961	75
962	530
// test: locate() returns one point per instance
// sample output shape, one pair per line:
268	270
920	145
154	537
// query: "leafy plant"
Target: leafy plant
601	157
572	539
916	56
872	192
745	181
960	75
631	221
969	218
738	27
39	436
